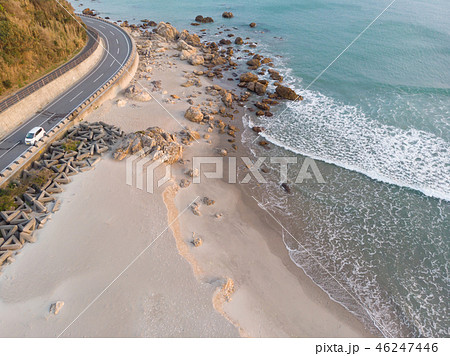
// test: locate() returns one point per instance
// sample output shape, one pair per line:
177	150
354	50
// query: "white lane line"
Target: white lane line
118	50
102	26
101	75
112	33
17	143
111	64
117	41
81	92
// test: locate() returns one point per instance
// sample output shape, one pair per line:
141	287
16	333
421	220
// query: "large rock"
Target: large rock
287	93
196	60
258	87
248	77
135	93
191	39
194	114
153	142
167	31
239	41
202	19
227	15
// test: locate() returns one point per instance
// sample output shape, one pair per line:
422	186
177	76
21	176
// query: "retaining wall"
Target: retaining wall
41	93
107	91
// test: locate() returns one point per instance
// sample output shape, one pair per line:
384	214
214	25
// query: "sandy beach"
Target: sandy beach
123	261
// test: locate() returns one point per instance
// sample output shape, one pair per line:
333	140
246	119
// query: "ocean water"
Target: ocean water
376	235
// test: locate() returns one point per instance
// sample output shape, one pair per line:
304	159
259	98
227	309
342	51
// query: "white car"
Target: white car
34	135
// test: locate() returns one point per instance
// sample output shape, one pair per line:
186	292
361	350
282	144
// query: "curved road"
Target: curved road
118	50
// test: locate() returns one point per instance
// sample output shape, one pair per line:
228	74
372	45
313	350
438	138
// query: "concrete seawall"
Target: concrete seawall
14	116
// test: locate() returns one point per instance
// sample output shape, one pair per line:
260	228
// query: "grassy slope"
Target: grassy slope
36	36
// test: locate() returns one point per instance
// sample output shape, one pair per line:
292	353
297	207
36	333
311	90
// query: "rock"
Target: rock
275	75
248	77
190	39
202	19
239	41
196	60
154	143
135	93
227	289
167	31
287	93
227	98
55	308
218	215
254	62
223	152
227	15
208	201
88	11
286	188
263	143
121	103
193	173
196	209
252	24
196	241
194	114
262	106
184	183
224	42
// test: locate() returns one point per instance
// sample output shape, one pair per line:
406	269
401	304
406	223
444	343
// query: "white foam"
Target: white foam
323	129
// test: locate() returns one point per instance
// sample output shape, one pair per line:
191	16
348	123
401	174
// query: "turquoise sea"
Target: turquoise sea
378	124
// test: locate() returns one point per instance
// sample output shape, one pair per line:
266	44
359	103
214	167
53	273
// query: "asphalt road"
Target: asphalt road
118	49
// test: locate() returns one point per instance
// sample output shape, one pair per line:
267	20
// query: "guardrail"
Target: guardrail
15	167
31	88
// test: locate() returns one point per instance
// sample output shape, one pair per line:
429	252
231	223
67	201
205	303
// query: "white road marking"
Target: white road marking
17	143
102	26
112	64
81	92
101	75
118	49
117	41
112	33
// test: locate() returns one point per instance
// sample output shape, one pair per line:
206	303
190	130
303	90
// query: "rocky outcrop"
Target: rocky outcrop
167	31
135	93
239	41
259	87
202	19
194	114
227	15
252	24
196	60
248	77
154	143
287	93
191	39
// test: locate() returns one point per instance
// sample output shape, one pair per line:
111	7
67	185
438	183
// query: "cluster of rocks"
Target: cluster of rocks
90	12
202	19
154	143
79	151
135	93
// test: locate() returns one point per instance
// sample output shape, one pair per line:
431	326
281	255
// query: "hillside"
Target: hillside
36	36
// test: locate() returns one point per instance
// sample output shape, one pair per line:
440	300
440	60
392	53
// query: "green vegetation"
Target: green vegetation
70	145
16	189
36	36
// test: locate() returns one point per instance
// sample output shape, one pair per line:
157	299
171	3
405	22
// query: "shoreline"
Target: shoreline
269	296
